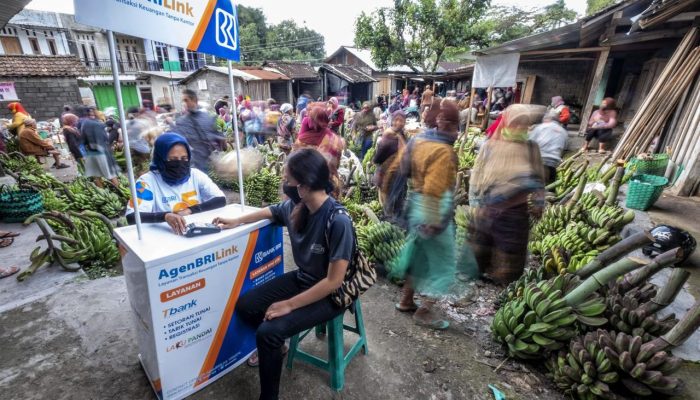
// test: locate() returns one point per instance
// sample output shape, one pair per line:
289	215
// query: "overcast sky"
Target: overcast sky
334	20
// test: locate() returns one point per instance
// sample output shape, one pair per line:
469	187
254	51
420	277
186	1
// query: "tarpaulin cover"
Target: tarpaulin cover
496	71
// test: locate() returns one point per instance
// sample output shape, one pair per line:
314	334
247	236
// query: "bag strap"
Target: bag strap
338	209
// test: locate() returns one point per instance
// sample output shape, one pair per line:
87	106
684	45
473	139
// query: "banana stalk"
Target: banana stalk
613	253
615	186
662	261
669	292
602	277
579	190
682	331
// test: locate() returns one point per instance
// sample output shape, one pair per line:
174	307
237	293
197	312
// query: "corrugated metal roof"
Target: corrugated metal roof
9	9
264	74
366	57
172	75
560	37
349	73
293	70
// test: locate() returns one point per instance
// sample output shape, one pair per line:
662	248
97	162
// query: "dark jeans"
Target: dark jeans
366	145
550	174
270	335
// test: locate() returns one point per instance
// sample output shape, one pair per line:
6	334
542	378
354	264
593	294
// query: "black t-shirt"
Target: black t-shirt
310	246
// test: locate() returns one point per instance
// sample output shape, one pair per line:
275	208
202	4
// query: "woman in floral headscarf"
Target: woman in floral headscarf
508	172
71	134
336	115
285	128
19	114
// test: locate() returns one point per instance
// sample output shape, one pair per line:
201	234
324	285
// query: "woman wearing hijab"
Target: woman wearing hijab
428	259
172	189
336	115
19	114
364	124
72	136
99	160
507	174
561	109
285	128
388	146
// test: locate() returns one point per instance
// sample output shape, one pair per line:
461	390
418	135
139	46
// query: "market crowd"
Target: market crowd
416	173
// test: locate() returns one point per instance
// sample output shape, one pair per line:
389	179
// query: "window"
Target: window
11	45
94	53
160	53
86	60
129	57
52	46
34	42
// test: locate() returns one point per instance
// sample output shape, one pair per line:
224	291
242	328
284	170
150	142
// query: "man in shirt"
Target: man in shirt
551	137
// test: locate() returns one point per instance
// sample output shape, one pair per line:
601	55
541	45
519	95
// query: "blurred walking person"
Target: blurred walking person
551	138
507	173
389	145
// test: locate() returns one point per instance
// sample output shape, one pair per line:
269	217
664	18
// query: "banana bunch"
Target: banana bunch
644	367
463	215
262	187
591	200
95	244
515	289
555	219
41	180
583	370
358	212
367	165
541	319
17	162
383	242
626	314
85	195
52	201
610	217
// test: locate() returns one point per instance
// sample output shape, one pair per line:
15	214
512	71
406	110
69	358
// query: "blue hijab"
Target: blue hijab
161	148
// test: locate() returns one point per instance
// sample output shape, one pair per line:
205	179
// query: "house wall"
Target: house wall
41	34
217	86
558	78
44	97
165	91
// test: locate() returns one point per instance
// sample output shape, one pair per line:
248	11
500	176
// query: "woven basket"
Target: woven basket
644	190
18	205
656	166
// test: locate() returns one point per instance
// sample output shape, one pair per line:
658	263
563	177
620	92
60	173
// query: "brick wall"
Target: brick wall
44	97
568	79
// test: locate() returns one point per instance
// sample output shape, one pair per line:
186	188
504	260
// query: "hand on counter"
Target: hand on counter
176	222
226	223
279	309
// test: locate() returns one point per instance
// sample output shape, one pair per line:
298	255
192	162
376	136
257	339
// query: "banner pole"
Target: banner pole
125	136
235	134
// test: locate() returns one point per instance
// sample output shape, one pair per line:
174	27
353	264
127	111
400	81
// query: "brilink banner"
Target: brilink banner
207	26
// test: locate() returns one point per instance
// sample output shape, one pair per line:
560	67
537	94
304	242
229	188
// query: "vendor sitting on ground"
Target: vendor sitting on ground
173	189
31	144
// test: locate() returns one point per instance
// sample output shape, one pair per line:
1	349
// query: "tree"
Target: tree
417	33
593	6
503	24
283	41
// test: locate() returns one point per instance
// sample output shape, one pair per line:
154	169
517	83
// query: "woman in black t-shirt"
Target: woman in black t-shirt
298	300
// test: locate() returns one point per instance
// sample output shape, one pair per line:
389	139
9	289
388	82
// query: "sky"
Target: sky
334	20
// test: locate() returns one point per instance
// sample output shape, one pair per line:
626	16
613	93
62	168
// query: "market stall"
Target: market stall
183	291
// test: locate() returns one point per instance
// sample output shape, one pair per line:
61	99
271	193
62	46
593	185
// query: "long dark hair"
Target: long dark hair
309	168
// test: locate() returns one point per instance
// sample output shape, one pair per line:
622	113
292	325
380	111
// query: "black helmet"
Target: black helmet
667	238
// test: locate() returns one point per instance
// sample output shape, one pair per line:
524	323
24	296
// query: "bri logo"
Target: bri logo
169	312
226	29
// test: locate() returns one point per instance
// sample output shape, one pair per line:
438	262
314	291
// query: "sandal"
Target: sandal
253	361
6	242
438	324
8	234
402	308
7	271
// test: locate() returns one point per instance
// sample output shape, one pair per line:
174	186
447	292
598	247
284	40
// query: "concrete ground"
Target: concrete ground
66	337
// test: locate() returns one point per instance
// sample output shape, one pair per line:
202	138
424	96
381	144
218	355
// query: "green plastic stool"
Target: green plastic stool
337	360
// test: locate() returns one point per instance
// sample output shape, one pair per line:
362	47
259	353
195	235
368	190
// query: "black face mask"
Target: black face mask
176	170
292	192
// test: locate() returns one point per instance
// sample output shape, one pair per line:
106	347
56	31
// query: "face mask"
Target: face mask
176	170
292	192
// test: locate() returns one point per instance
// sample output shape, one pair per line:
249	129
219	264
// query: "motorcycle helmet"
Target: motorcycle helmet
668	237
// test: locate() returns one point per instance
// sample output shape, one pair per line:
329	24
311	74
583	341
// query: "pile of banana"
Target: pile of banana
84	195
359	214
262	187
626	312
610	217
16	162
516	288
544	318
85	241
463	215
609	365
381	242
53	202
